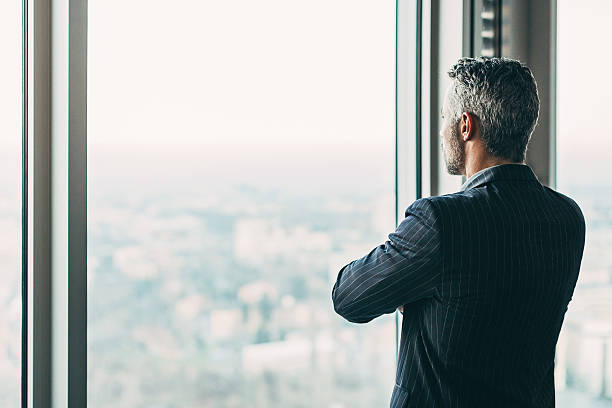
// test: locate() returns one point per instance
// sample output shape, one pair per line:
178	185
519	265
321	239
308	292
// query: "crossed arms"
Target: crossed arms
405	269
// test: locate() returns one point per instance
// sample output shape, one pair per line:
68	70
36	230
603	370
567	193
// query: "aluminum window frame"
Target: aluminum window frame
407	179
57	204
24	203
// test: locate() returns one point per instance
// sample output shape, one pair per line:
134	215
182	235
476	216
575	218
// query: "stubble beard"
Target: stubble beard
454	155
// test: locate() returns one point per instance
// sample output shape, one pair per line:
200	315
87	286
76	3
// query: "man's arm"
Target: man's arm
404	269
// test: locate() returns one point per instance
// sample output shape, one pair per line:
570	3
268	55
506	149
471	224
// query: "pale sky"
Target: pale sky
584	92
274	91
238	88
10	195
10	98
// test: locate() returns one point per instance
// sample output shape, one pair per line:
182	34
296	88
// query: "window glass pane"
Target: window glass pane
240	153
584	360
10	203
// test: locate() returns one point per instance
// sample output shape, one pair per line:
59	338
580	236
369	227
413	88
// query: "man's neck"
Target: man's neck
474	166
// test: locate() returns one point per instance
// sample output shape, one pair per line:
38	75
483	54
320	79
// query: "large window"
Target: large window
239	154
584	144
10	203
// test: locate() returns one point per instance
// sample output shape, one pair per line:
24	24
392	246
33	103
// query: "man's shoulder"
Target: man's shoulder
451	199
466	203
570	205
435	206
455	203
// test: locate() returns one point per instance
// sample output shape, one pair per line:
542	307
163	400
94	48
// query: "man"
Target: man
484	276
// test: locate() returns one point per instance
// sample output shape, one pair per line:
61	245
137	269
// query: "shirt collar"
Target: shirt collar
513	171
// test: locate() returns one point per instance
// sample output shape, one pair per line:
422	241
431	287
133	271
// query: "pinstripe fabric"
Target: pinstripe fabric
485	276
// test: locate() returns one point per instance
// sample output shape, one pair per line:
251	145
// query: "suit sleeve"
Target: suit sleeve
405	269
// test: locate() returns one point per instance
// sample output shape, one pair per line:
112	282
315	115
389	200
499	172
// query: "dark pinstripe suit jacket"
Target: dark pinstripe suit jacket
485	276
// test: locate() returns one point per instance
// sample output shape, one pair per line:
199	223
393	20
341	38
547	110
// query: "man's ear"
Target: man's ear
467	126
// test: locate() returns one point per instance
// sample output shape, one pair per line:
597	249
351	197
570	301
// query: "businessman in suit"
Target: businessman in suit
483	277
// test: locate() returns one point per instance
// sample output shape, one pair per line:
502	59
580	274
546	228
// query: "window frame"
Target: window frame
24	202
57	203
55	161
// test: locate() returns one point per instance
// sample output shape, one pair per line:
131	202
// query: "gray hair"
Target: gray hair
503	95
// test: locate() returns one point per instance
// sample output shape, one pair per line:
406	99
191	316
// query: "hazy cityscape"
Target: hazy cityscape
584	350
224	301
10	298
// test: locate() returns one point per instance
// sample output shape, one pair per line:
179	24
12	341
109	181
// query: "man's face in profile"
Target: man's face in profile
452	148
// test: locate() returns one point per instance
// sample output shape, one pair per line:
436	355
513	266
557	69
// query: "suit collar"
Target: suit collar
500	172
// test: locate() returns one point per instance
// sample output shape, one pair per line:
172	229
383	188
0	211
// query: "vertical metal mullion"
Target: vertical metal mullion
468	28
396	159
57	303
69	203
77	205
405	145
66	148
472	32
418	87
24	206
498	29
426	99
552	133
39	190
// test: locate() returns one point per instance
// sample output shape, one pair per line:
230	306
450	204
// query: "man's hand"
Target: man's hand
401	309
